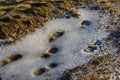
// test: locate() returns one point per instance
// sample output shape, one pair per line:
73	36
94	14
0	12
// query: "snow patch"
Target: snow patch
70	46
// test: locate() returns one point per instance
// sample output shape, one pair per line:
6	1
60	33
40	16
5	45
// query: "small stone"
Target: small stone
52	50
44	55
39	71
86	22
13	57
52	65
2	63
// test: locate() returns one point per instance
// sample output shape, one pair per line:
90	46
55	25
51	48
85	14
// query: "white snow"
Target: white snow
70	46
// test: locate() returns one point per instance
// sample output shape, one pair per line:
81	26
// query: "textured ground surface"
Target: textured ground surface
104	67
85	45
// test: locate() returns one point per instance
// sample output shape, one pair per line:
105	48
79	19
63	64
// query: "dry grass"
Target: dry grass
25	16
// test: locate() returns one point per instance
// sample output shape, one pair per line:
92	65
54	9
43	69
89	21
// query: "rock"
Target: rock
86	22
13	57
39	71
44	55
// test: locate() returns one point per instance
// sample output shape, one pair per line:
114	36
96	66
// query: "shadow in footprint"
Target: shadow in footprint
55	35
52	65
38	71
45	55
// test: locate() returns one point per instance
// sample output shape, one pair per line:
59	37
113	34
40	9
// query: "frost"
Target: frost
70	46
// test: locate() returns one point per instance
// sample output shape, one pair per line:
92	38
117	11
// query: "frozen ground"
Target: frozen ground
70	45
